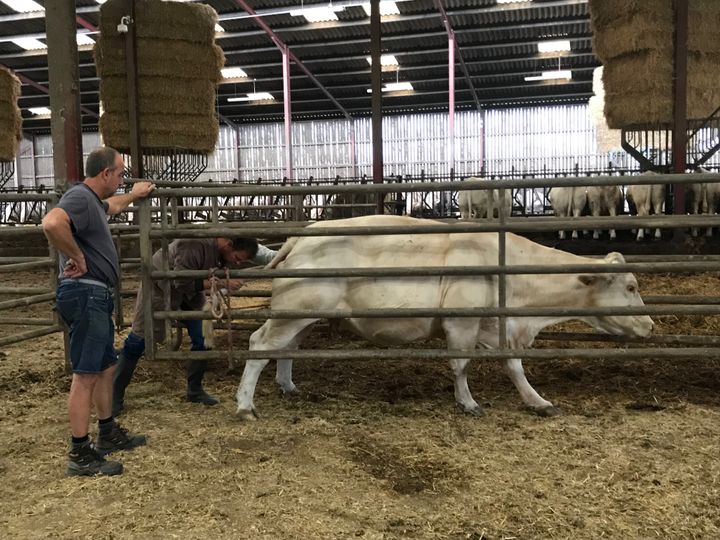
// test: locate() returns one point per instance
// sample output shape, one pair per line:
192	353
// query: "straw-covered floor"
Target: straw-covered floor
377	449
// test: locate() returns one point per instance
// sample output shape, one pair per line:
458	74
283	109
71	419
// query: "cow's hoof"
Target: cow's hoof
476	411
549	410
292	393
247	415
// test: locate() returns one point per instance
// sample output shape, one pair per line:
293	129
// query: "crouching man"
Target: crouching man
186	295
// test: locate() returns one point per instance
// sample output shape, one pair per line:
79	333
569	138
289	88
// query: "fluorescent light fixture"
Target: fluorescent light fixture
29	44
318	14
23	6
551	75
386	8
233	73
554	46
101	1
512	1
39	111
395	87
84	39
254	96
386	60
219	28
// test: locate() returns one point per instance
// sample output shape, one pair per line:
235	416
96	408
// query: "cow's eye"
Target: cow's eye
631	289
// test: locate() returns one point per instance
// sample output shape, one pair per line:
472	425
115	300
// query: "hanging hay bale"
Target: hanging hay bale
178	67
188	132
607	139
633	39
162	20
161	57
10	117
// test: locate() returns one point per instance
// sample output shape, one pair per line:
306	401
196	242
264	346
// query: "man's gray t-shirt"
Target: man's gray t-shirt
88	217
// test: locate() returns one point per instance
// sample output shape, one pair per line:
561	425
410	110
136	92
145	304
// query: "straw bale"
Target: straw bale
193	22
9	86
160	95
648	71
190	132
10	117
604	13
607	139
633	35
161	57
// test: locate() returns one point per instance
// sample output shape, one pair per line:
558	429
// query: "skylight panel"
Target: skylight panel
554	46
29	44
40	111
386	8
23	6
254	96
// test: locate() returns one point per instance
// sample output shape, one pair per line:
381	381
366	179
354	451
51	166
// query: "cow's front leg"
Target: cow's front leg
514	369
463	397
462	335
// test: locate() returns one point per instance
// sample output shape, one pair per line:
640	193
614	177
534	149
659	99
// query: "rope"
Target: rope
231	363
217	299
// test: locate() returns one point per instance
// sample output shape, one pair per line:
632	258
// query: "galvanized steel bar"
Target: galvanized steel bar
27	301
24	290
515	225
22	336
42	263
427	271
684	353
24	321
479	312
609	338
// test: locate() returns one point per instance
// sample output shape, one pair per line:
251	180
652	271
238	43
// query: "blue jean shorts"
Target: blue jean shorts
87	311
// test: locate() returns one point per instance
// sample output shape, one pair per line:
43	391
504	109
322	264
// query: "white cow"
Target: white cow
566	202
604	200
704	197
441	249
647	199
475	203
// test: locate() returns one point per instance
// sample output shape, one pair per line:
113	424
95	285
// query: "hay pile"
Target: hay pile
607	139
10	117
634	41
178	68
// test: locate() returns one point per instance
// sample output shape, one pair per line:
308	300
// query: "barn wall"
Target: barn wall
529	139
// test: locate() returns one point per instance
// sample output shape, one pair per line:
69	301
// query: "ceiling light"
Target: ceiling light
101	1
39	111
233	73
551	75
386	8
219	28
318	14
29	44
386	61
84	39
254	96
512	1
395	87
554	46
23	6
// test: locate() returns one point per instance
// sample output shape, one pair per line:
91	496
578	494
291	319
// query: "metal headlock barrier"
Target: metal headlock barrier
160	223
671	346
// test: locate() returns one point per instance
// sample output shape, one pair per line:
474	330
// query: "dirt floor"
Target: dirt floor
379	451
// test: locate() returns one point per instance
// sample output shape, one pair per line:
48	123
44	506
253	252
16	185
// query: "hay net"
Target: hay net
10	116
178	67
634	41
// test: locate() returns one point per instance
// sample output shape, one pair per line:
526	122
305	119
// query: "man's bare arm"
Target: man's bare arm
57	228
118	203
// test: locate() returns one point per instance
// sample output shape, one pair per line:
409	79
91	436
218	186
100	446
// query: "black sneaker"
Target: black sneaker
118	439
201	396
84	460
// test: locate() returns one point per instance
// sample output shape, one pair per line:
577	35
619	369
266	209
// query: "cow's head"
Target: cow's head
614	290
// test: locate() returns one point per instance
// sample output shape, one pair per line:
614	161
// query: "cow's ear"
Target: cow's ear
614	257
591	280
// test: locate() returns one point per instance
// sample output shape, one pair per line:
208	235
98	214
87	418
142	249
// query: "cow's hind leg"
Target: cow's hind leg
274	334
462	335
514	369
283	374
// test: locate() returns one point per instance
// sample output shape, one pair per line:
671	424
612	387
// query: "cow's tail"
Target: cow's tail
283	252
571	200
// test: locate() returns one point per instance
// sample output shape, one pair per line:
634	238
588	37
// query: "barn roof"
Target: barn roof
497	43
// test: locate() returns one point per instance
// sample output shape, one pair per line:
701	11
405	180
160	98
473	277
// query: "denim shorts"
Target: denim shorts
87	311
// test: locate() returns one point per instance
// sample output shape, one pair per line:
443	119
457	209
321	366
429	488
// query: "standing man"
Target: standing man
78	228
185	294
